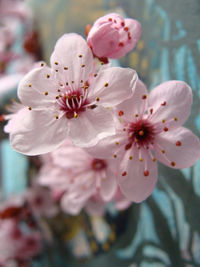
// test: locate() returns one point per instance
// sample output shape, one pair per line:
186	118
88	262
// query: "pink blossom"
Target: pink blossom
41	202
111	36
15	244
79	175
61	103
150	129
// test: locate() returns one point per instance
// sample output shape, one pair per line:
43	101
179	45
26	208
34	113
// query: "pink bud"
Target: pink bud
111	36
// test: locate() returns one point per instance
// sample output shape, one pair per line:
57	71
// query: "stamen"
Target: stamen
114	155
65	68
106	84
29	85
146	173
29	108
164	103
121	113
178	143
124	173
46	93
173	164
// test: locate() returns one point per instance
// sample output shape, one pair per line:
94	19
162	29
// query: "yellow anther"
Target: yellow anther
163	121
83	65
97	98
130	157
48	76
95	75
163	151
117	143
75	115
57	117
136	115
80	55
46	93
154	159
106	84
114	155
29	108
141	159
29	85
176	119
65	68
56	63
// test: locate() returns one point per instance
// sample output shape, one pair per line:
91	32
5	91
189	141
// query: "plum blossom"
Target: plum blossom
149	129
71	170
112	36
69	99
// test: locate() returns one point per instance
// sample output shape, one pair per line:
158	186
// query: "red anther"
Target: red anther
126	29
122	24
164	103
146	173
128	146
110	19
178	143
165	129
121	44
173	163
124	174
121	113
144	96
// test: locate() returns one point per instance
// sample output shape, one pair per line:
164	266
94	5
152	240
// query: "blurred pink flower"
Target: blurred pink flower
41	201
79	175
61	103
111	36
149	129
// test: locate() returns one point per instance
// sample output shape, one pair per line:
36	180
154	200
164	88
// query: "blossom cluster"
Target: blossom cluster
98	129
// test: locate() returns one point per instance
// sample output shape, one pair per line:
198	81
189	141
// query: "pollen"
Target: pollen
175	118
144	96
29	85
165	129
29	108
164	103
130	157
124	173
146	173
97	98
163	151
56	63
75	115
80	55
106	84
114	155
46	93
65	68
141	159
141	133
178	143
173	164
48	76
83	65
121	113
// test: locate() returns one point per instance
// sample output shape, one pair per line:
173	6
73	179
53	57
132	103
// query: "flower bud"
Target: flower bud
112	36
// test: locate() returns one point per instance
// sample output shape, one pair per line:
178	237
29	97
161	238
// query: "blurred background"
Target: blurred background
165	229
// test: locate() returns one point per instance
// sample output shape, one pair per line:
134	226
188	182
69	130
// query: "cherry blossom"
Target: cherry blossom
111	36
149	129
69	99
71	170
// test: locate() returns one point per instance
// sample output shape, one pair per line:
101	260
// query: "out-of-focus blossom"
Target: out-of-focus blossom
79	175
112	36
41	201
61	103
149	130
17	245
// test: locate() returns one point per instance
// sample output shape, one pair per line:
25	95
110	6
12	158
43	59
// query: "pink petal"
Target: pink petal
72	206
103	40
39	132
113	85
108	186
181	147
134	105
171	100
95	208
133	183
72	52
37	89
91	126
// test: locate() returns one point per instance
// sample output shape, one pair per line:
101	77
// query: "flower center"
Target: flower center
98	164
73	103
141	132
